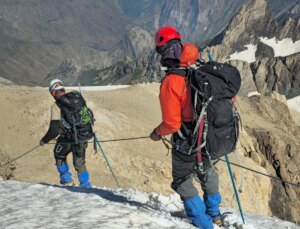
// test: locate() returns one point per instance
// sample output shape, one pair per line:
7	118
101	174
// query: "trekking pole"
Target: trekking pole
234	187
80	89
107	162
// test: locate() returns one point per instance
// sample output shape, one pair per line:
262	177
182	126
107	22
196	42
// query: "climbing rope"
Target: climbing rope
22	155
104	141
166	140
263	174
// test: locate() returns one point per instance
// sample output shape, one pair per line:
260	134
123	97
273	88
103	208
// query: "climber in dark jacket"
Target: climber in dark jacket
65	144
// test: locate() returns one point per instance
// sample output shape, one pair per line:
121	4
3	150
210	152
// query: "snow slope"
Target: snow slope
247	55
26	205
294	103
282	48
285	47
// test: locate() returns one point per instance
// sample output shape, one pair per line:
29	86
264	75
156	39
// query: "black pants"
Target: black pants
62	149
183	172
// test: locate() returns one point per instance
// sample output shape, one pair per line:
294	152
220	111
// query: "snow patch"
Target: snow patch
253	93
284	47
294	103
247	55
97	88
26	205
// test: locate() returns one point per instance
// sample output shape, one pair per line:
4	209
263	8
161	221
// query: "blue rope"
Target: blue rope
107	162
234	187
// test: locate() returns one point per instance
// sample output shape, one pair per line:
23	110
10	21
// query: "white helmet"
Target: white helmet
56	85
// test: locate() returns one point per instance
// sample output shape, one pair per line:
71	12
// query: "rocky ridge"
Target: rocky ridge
280	74
253	20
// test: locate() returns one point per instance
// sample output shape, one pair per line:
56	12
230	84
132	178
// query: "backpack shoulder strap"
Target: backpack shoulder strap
178	71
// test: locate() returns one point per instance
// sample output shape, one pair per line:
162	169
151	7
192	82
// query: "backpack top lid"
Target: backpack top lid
73	101
224	79
189	55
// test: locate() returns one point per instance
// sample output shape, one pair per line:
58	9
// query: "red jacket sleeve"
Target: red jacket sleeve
170	97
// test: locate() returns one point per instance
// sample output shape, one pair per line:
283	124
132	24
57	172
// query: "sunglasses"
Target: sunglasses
55	92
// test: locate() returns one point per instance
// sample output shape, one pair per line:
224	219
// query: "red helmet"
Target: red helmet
165	34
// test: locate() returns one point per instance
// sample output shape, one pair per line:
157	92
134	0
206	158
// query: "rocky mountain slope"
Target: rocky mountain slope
94	24
42	39
275	136
254	20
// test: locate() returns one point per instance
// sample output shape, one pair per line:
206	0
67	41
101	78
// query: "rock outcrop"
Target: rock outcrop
67	71
6	168
280	74
254	20
291	29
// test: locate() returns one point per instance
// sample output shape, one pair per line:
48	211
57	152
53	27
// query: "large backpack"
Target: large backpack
215	129
77	118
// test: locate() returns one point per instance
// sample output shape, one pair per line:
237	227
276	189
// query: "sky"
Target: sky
25	205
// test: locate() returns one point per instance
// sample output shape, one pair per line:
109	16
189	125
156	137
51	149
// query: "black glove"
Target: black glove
154	136
42	143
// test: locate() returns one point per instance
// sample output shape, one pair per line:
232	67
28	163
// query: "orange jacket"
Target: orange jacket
176	104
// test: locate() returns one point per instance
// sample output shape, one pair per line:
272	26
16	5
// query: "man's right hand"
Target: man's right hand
154	136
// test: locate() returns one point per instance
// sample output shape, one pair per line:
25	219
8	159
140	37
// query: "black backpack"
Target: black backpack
215	129
77	118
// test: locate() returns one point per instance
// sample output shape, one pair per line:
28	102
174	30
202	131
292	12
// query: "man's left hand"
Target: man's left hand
42	143
154	136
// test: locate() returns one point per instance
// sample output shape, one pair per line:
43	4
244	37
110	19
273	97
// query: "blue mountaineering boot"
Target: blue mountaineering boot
65	175
195	210
84	180
212	202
